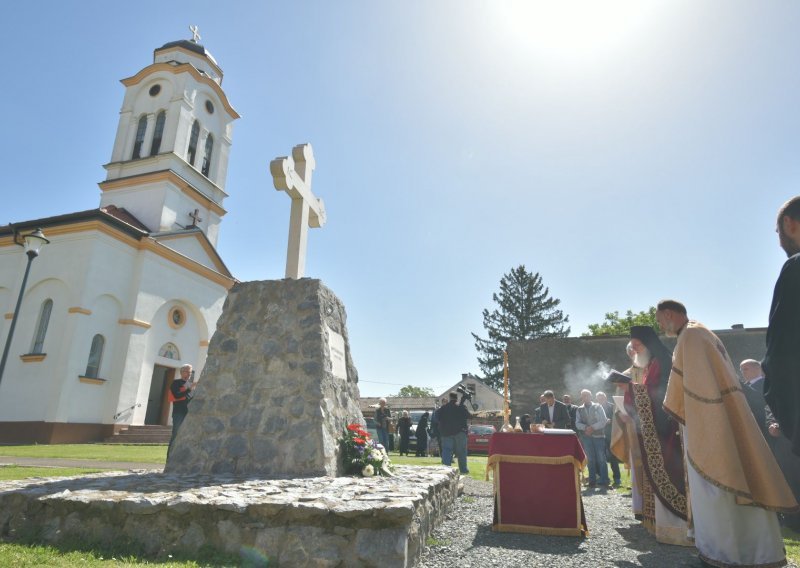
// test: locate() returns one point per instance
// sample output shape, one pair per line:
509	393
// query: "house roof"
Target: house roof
370	403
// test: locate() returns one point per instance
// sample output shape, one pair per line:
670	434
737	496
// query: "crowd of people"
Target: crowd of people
714	457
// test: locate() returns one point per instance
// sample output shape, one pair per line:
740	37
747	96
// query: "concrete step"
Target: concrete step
141	435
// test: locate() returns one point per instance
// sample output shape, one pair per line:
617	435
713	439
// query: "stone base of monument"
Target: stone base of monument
316	521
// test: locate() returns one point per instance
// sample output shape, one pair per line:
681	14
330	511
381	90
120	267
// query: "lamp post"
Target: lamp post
33	242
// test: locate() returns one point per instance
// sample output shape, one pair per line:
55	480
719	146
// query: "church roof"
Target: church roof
124	215
122	220
117	217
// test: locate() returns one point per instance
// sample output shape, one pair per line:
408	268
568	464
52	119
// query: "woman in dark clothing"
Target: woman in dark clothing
422	436
404	428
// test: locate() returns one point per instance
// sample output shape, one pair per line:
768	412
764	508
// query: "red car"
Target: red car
478	437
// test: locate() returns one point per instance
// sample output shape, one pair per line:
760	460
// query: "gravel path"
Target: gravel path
615	538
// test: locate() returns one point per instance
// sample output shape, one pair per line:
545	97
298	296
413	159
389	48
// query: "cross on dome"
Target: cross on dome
195	33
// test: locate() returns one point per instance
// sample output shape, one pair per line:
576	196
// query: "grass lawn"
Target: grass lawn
9	472
155	453
475	464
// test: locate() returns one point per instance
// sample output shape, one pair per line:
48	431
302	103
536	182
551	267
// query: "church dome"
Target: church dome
189	51
191	46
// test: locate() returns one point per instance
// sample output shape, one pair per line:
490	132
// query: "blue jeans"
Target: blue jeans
595	449
457	444
383	438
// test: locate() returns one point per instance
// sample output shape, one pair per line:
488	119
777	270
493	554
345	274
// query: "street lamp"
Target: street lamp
33	242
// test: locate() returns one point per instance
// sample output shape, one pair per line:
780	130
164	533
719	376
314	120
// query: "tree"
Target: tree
415	392
525	311
614	325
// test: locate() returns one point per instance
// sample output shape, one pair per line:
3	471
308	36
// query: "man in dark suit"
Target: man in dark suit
553	413
753	388
572	410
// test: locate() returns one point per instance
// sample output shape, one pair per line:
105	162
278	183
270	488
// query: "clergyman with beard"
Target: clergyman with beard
735	485
662	485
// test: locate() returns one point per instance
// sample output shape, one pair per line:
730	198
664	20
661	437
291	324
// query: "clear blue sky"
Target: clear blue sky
626	151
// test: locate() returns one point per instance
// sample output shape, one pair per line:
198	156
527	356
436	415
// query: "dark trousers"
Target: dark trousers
177	420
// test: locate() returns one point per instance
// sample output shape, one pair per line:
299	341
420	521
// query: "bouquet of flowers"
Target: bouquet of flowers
362	455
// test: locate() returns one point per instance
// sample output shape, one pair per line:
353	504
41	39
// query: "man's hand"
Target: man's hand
589	430
775	430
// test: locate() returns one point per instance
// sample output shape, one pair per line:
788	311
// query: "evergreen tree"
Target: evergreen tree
525	311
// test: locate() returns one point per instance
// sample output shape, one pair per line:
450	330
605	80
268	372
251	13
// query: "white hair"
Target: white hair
186	366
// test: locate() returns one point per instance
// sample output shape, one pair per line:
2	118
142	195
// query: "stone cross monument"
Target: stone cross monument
293	175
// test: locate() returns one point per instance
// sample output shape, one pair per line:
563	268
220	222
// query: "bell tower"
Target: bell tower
170	156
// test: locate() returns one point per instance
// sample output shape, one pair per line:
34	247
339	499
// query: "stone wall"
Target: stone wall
568	365
278	387
347	521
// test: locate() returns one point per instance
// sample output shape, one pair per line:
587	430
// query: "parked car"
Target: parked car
478	438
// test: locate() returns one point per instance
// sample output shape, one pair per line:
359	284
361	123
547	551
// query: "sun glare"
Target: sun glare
571	31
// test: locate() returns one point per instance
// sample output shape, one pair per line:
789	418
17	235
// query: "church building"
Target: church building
126	293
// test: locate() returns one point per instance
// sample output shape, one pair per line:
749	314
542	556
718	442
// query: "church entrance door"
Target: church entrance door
157	401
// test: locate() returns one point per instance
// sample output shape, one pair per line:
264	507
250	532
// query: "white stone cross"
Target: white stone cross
293	175
195	33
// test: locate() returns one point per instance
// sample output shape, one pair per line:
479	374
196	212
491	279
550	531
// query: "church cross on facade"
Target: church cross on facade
293	175
195	217
195	33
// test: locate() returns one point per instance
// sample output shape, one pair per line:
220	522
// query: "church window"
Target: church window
209	107
41	326
169	351
137	145
193	142
154	90
158	133
207	157
176	317
95	356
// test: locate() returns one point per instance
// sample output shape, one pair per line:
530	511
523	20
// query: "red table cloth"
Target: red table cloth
536	483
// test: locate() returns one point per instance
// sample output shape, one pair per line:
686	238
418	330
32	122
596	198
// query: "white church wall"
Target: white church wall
27	387
163	285
189	246
87	402
140	202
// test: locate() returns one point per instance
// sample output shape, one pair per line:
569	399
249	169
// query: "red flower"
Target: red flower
363	433
359	441
354	427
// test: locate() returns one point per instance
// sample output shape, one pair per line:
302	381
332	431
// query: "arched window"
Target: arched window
41	327
158	133
95	356
207	157
193	142
137	145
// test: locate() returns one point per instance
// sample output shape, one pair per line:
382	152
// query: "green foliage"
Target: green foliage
525	310
614	325
410	391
